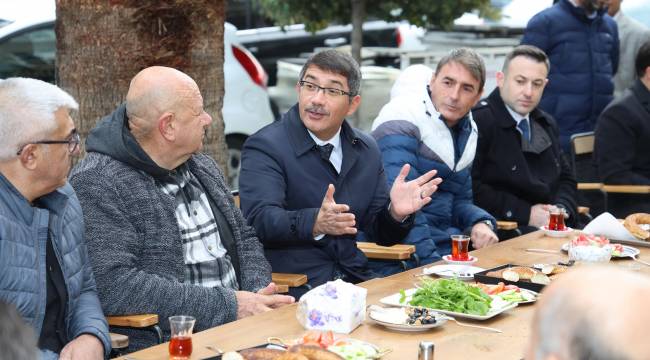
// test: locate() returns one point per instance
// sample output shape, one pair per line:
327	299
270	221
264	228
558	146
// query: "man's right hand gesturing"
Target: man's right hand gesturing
333	218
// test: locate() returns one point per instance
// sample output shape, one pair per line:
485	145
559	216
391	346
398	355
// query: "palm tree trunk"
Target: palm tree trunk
356	38
101	45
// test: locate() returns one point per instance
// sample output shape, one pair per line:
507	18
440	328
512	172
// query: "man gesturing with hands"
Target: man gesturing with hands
310	183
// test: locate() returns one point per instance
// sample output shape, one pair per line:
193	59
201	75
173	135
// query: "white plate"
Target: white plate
374	317
534	295
627	251
556	233
462	272
393	300
470	261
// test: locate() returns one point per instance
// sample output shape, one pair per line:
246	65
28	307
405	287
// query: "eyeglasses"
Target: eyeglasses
73	143
312	89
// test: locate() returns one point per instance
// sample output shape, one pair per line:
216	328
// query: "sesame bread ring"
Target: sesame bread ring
632	223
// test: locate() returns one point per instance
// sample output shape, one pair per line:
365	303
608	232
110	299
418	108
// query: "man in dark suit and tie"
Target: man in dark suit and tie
519	172
310	182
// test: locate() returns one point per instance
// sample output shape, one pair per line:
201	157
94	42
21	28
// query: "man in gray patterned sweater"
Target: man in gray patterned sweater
163	233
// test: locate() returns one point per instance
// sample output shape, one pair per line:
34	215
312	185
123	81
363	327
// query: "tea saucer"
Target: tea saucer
470	261
556	233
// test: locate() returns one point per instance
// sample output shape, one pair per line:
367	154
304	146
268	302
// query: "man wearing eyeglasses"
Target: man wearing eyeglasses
44	266
310	183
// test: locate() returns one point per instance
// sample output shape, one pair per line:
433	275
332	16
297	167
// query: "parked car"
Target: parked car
270	44
28	49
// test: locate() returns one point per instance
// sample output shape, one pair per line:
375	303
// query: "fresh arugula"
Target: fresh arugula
449	294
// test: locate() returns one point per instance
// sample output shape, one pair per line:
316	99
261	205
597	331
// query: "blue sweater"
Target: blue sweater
584	57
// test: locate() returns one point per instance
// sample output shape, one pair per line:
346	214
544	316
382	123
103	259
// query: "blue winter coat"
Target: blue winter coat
584	57
409	130
23	236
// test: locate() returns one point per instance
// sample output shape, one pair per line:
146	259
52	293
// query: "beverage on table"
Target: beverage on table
459	247
180	346
556	219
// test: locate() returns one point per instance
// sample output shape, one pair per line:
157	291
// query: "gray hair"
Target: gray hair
17	339
27	108
469	59
565	329
339	63
528	51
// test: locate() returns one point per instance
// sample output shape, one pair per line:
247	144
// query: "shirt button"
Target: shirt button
209	247
514	167
195	213
509	213
51	269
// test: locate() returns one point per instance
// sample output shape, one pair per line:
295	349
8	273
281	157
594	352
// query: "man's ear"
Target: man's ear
500	76
30	155
167	126
354	104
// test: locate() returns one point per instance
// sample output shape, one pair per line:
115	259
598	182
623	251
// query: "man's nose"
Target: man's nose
454	94
528	90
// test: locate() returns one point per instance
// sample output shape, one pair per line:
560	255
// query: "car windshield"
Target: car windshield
29	53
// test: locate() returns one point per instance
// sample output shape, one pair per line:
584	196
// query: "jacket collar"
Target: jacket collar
302	142
54	201
503	116
540	139
642	93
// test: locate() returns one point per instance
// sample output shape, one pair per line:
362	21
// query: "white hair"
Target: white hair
27	108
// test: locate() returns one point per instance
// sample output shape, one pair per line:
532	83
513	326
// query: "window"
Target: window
30	53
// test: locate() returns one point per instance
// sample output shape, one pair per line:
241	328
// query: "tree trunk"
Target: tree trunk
356	38
101	45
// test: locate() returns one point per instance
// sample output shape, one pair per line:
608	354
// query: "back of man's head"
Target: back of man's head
642	61
152	92
17	341
592	313
339	63
27	108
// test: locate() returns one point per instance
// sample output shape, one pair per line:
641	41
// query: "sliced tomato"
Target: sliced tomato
327	339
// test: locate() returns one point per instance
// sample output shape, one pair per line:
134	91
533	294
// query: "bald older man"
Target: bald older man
593	313
163	233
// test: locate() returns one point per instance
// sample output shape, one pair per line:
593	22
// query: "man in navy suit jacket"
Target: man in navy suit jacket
310	182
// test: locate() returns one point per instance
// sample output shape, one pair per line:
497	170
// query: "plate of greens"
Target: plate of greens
452	297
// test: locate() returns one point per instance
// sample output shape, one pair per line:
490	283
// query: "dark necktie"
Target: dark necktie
524	128
325	151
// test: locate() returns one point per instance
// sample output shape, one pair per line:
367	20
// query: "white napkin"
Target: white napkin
606	224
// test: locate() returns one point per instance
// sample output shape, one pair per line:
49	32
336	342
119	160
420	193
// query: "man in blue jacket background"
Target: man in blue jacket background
44	265
582	43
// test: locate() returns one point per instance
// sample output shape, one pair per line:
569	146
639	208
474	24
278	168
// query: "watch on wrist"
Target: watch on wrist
488	223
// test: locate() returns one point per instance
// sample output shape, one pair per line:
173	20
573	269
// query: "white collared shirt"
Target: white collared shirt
336	157
517	116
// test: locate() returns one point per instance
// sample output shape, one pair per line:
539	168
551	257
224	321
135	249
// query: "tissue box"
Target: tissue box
337	306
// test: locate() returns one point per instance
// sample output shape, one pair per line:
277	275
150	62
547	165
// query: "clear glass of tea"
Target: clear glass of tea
556	219
459	247
180	346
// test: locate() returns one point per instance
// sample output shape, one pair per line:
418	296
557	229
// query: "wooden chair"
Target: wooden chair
397	252
590	190
582	144
120	342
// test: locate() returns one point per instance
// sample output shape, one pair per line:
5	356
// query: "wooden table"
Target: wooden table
451	341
